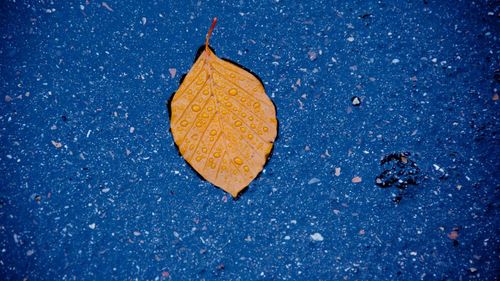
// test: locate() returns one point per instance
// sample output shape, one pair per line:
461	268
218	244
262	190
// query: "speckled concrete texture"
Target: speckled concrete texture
385	167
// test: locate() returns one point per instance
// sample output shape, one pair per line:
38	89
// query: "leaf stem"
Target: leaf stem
210	34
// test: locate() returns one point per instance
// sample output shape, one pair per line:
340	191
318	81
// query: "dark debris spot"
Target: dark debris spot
399	171
220	266
397	199
366	16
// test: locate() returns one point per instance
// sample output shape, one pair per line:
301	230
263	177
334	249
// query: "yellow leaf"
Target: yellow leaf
223	122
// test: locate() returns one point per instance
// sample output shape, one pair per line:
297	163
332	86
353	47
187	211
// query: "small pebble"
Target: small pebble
172	72
356	101
313	181
317	237
356	179
56	144
92	226
312	55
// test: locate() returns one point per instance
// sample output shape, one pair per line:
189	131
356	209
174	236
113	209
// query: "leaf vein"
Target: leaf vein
190	102
243	90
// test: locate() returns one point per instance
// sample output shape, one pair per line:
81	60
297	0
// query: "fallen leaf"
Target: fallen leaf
223	122
495	97
356	179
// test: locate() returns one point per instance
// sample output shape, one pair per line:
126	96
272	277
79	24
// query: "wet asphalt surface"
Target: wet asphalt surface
385	167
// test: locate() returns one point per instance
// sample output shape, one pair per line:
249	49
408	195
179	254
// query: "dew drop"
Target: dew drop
250	136
204	115
265	129
216	154
252	125
244	114
238	160
246	168
196	108
232	75
204	150
243	99
237	123
228	104
184	123
198	158
243	129
205	92
256	105
199	124
213	132
199	81
233	92
182	150
250	118
210	108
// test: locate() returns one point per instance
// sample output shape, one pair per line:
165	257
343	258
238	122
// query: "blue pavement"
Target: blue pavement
385	168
